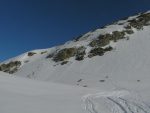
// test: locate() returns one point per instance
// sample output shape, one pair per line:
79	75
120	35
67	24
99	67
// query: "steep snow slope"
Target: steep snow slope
113	60
19	95
129	61
109	57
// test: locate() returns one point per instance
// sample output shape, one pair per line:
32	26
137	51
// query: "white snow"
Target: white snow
117	82
19	95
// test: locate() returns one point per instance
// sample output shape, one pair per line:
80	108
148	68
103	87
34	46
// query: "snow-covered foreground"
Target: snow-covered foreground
20	95
115	102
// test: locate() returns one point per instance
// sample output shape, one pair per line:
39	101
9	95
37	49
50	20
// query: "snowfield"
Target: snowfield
116	82
20	95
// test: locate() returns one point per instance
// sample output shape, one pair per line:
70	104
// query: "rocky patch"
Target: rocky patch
10	67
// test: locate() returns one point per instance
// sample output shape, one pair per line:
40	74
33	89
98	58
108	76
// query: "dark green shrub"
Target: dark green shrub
116	35
43	52
65	54
79	80
64	62
108	49
136	24
129	31
31	53
10	67
96	51
140	21
128	27
101	80
101	41
50	55
80	53
85	86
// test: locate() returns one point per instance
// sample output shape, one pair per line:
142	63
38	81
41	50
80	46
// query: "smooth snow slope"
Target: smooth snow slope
20	95
128	63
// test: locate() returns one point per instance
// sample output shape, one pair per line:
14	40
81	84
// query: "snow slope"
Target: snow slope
116	82
129	61
115	102
20	95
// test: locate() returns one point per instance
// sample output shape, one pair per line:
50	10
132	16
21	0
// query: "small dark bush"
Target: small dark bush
101	41
50	55
95	52
108	49
64	62
31	53
65	54
85	86
117	35
101	80
79	80
129	31
43	52
10	67
80	53
138	80
140	21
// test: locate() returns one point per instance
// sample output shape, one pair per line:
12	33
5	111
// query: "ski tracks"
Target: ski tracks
114	102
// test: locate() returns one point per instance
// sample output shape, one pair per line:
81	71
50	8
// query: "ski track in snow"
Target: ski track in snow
114	102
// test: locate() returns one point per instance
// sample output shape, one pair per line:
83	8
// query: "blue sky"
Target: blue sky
32	24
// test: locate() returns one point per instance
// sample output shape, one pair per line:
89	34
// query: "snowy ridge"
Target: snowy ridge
92	67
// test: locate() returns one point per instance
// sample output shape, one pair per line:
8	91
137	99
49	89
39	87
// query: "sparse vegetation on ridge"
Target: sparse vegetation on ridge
98	44
31	53
141	21
10	67
64	54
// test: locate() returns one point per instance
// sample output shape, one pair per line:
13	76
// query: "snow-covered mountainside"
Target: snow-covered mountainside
106	70
109	56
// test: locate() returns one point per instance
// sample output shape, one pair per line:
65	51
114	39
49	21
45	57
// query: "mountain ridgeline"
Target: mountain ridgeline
96	44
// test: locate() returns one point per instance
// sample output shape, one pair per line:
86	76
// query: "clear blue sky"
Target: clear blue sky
33	24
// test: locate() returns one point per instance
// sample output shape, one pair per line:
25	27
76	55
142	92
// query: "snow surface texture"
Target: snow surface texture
117	82
114	102
20	95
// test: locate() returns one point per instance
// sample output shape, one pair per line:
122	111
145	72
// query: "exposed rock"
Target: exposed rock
99	51
64	62
50	55
117	35
108	49
101	41
80	53
79	80
10	67
101	80
31	53
65	54
129	31
140	21
43	52
96	52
